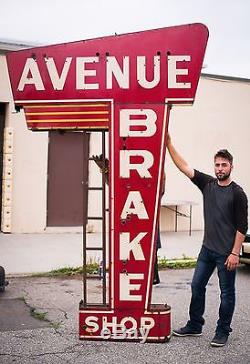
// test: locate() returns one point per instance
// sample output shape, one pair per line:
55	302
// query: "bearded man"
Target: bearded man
225	226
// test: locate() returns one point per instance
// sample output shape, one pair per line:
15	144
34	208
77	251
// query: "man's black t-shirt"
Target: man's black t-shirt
225	212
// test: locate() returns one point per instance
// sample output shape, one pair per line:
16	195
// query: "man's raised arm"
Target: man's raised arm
180	163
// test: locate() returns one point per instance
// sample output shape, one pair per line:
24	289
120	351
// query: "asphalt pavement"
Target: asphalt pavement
39	315
26	342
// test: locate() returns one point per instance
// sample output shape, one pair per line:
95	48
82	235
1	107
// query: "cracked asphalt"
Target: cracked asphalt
28	341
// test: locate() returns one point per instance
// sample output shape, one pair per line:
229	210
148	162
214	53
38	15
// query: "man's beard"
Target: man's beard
223	176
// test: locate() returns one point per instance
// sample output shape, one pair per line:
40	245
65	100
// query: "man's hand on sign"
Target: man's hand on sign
103	164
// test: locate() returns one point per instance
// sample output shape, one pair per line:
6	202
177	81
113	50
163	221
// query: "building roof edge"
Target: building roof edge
225	78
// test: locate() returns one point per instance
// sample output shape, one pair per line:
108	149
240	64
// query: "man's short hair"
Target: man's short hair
224	153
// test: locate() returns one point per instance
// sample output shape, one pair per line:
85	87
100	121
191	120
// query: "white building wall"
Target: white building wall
5	90
29	181
219	118
30	178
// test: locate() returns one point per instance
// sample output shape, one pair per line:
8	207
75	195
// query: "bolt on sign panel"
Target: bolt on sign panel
126	84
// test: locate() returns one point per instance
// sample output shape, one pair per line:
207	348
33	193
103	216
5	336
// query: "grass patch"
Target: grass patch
177	263
93	267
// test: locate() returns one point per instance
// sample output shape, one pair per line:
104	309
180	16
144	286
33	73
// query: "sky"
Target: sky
59	21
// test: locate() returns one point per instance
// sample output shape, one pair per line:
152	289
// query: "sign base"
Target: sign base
101	323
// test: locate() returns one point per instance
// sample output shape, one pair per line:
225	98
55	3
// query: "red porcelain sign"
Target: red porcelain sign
127	84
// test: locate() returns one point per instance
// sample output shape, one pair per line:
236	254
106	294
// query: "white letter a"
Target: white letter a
35	79
134	198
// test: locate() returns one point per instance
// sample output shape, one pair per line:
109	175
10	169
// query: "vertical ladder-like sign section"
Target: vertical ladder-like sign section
103	244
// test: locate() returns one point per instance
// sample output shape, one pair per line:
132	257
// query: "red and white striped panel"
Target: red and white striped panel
68	115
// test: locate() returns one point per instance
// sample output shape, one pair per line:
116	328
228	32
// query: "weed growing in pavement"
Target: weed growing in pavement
55	325
38	315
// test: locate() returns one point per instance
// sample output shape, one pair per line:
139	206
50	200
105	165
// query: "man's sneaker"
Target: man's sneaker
219	340
186	331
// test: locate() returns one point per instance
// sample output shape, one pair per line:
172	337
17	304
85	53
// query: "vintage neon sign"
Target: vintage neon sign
127	84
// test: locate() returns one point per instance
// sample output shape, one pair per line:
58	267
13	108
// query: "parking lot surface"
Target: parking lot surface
26	340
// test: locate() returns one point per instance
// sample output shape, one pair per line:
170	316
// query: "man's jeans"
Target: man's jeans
206	263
